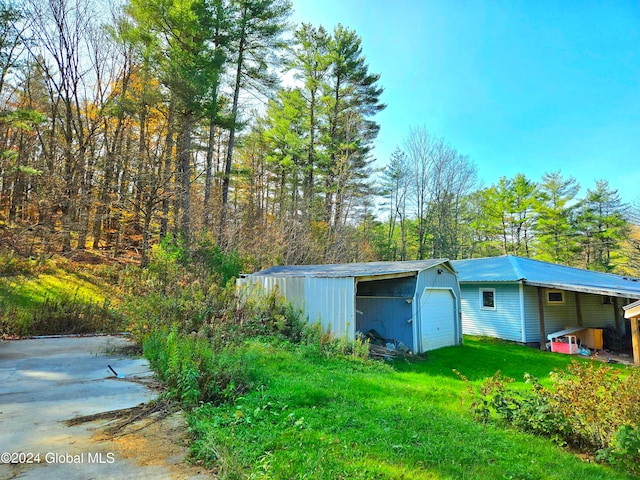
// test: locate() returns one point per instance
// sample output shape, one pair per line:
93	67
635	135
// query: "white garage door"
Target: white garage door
437	314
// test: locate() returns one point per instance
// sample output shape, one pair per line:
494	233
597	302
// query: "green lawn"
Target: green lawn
309	416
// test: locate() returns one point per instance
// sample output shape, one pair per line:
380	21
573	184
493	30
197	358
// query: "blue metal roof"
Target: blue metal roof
353	269
510	268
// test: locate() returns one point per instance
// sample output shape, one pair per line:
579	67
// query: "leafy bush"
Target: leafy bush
625	450
188	322
175	289
192	297
596	401
593	408
254	313
208	257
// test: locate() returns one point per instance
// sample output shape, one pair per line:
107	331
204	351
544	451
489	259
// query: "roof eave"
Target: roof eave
632	310
585	289
488	280
384	276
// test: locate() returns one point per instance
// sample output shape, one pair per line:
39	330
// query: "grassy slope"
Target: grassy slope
312	417
59	286
29	292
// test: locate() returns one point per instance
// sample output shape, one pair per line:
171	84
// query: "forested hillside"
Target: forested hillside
218	121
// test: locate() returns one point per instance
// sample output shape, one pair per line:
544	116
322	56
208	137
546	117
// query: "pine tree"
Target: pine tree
258	27
556	235
603	226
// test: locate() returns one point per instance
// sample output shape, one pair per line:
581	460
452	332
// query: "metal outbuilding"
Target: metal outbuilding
414	302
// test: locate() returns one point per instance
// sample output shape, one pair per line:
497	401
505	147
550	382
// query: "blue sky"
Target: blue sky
520	87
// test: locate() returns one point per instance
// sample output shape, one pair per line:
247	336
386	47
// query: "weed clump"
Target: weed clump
192	371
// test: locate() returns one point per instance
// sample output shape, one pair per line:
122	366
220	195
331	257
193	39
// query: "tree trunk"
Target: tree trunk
184	157
166	175
232	131
209	174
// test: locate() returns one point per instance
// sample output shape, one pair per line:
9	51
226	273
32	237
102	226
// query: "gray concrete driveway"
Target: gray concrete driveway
43	383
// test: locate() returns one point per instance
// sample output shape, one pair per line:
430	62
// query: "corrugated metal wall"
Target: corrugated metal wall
390	317
503	322
332	301
290	288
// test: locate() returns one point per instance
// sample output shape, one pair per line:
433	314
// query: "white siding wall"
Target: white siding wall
503	322
532	319
332	301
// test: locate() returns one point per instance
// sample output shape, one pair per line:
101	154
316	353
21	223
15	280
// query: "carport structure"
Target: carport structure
414	302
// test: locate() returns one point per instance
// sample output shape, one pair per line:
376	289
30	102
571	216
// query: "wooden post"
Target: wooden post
543	335
616	313
635	340
578	309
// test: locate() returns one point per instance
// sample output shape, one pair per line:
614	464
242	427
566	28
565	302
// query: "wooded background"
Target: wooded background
218	122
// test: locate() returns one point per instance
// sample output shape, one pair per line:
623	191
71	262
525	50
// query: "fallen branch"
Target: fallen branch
128	416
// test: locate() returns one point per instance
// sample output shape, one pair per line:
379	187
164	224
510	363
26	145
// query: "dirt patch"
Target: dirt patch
159	439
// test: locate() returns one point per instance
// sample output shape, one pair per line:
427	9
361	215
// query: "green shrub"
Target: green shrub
214	262
593	408
191	292
625	450
254	313
596	401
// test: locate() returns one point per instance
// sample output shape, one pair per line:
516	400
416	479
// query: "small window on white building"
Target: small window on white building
555	297
488	298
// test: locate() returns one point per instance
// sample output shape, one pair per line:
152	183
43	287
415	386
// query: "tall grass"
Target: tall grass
192	371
